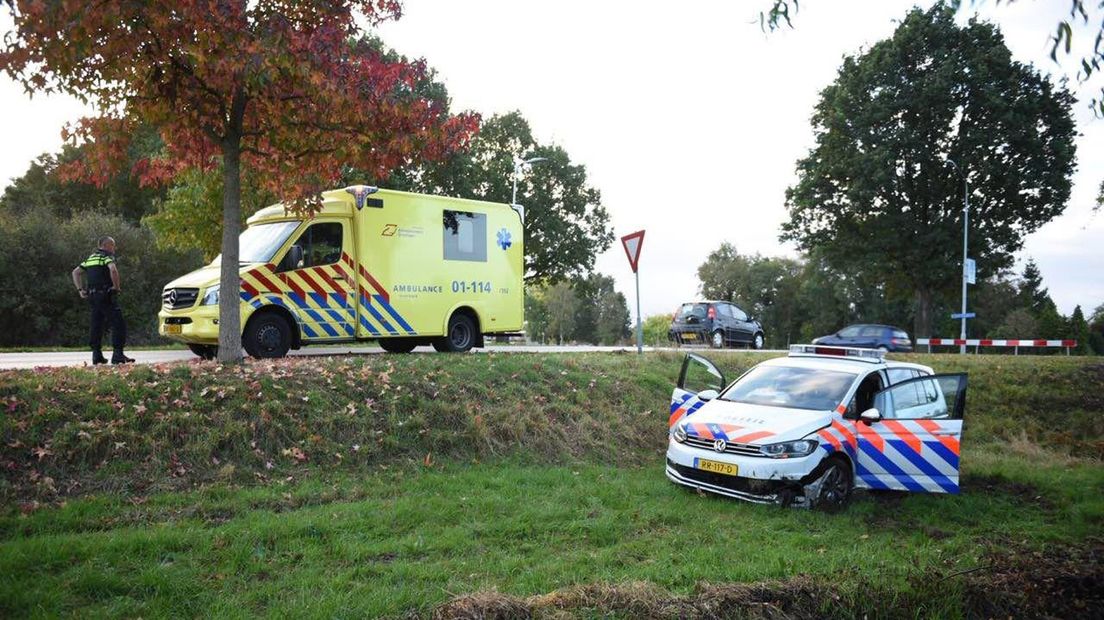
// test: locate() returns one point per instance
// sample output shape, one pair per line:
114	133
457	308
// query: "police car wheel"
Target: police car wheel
717	340
460	336
267	336
835	488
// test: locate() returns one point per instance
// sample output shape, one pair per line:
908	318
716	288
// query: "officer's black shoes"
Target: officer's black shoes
119	358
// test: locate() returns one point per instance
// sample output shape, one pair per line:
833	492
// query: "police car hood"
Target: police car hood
758	424
204	276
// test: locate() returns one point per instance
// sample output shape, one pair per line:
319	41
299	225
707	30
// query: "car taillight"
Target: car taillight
712	314
904	341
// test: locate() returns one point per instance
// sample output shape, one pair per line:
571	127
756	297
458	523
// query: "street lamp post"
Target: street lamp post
965	235
518	163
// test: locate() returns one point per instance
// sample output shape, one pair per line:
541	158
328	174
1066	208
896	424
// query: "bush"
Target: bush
39	305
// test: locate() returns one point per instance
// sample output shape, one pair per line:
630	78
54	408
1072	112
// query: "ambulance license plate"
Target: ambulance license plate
716	467
174	328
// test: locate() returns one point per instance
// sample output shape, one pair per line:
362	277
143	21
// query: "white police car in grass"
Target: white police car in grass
807	429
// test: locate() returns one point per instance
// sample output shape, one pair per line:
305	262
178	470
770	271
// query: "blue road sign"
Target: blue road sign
968	315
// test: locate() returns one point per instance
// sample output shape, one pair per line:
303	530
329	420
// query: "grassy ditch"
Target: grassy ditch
512	484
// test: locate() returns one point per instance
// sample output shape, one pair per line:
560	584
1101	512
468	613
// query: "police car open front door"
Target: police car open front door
697	375
914	445
319	286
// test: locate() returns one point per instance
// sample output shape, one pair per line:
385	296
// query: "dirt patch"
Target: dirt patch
1020	492
1061	582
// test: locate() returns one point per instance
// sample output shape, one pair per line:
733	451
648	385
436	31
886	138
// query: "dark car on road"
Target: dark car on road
716	323
884	337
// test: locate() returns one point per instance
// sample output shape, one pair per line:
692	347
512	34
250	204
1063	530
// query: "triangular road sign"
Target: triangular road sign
632	245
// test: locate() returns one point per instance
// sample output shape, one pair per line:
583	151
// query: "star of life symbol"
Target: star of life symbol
720	445
504	240
360	194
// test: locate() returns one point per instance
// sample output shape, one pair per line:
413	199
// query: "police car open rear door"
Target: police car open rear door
697	375
913	444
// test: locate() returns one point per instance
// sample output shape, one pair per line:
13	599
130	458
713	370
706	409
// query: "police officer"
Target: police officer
101	290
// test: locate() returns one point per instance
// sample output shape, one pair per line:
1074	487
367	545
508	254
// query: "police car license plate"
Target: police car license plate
716	467
174	328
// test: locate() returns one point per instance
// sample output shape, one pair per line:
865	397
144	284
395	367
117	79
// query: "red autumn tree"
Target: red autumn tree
287	88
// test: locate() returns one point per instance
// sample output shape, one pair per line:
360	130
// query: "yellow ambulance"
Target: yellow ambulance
374	264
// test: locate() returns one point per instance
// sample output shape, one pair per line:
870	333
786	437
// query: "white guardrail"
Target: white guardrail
977	343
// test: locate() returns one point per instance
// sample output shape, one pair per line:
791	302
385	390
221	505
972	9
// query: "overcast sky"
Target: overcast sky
688	118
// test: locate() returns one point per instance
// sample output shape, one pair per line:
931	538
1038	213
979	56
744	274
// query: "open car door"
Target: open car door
912	444
697	375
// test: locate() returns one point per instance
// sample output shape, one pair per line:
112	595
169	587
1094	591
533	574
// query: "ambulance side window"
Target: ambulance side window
465	236
321	244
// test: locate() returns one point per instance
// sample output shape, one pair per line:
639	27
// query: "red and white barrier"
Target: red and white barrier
977	343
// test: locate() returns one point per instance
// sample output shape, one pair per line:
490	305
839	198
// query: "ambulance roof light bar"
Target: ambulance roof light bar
874	356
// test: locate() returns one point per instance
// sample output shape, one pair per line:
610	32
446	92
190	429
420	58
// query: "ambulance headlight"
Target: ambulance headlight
787	449
210	298
680	433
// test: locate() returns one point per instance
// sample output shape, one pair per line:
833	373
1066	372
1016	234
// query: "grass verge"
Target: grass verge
383	486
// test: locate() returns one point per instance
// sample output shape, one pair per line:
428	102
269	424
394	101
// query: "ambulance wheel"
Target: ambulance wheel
717	340
397	345
267	336
204	351
835	487
460	336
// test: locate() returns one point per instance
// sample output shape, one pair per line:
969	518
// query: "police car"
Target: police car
807	429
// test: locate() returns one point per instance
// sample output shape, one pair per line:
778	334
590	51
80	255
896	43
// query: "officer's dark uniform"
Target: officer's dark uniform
105	307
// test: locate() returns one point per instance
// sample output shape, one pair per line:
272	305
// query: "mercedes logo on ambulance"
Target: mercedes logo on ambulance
720	445
171	298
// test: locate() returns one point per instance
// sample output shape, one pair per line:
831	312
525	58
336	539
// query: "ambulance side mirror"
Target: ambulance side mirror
870	416
707	395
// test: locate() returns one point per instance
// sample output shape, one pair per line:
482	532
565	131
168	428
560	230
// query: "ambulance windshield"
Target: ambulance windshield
795	388
258	243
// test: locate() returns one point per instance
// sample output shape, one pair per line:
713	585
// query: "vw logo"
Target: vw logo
171	298
720	445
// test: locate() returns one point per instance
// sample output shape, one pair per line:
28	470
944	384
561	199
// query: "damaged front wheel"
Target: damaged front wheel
833	488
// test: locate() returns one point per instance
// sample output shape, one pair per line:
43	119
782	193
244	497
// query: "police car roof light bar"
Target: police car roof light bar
874	356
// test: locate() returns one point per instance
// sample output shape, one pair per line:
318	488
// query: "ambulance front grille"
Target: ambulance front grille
177	298
743	449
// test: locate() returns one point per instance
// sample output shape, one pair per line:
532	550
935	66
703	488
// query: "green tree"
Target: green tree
561	304
536	314
603	315
1019	324
42	188
992	299
876	194
566	225
1096	328
1079	331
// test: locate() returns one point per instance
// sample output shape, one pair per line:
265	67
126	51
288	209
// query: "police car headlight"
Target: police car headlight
680	433
803	447
210	298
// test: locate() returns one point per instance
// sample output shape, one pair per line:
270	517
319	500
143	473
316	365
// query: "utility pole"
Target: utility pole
965	259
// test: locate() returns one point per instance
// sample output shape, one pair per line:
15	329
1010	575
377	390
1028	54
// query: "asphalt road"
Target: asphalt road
9	361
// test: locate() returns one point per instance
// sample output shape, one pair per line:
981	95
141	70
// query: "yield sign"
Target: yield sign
632	245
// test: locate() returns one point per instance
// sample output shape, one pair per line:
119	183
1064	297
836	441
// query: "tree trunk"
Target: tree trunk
922	325
230	328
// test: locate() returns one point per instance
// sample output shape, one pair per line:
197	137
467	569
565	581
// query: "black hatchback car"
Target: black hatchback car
885	337
716	323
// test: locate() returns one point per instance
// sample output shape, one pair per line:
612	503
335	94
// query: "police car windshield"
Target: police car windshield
796	388
258	243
